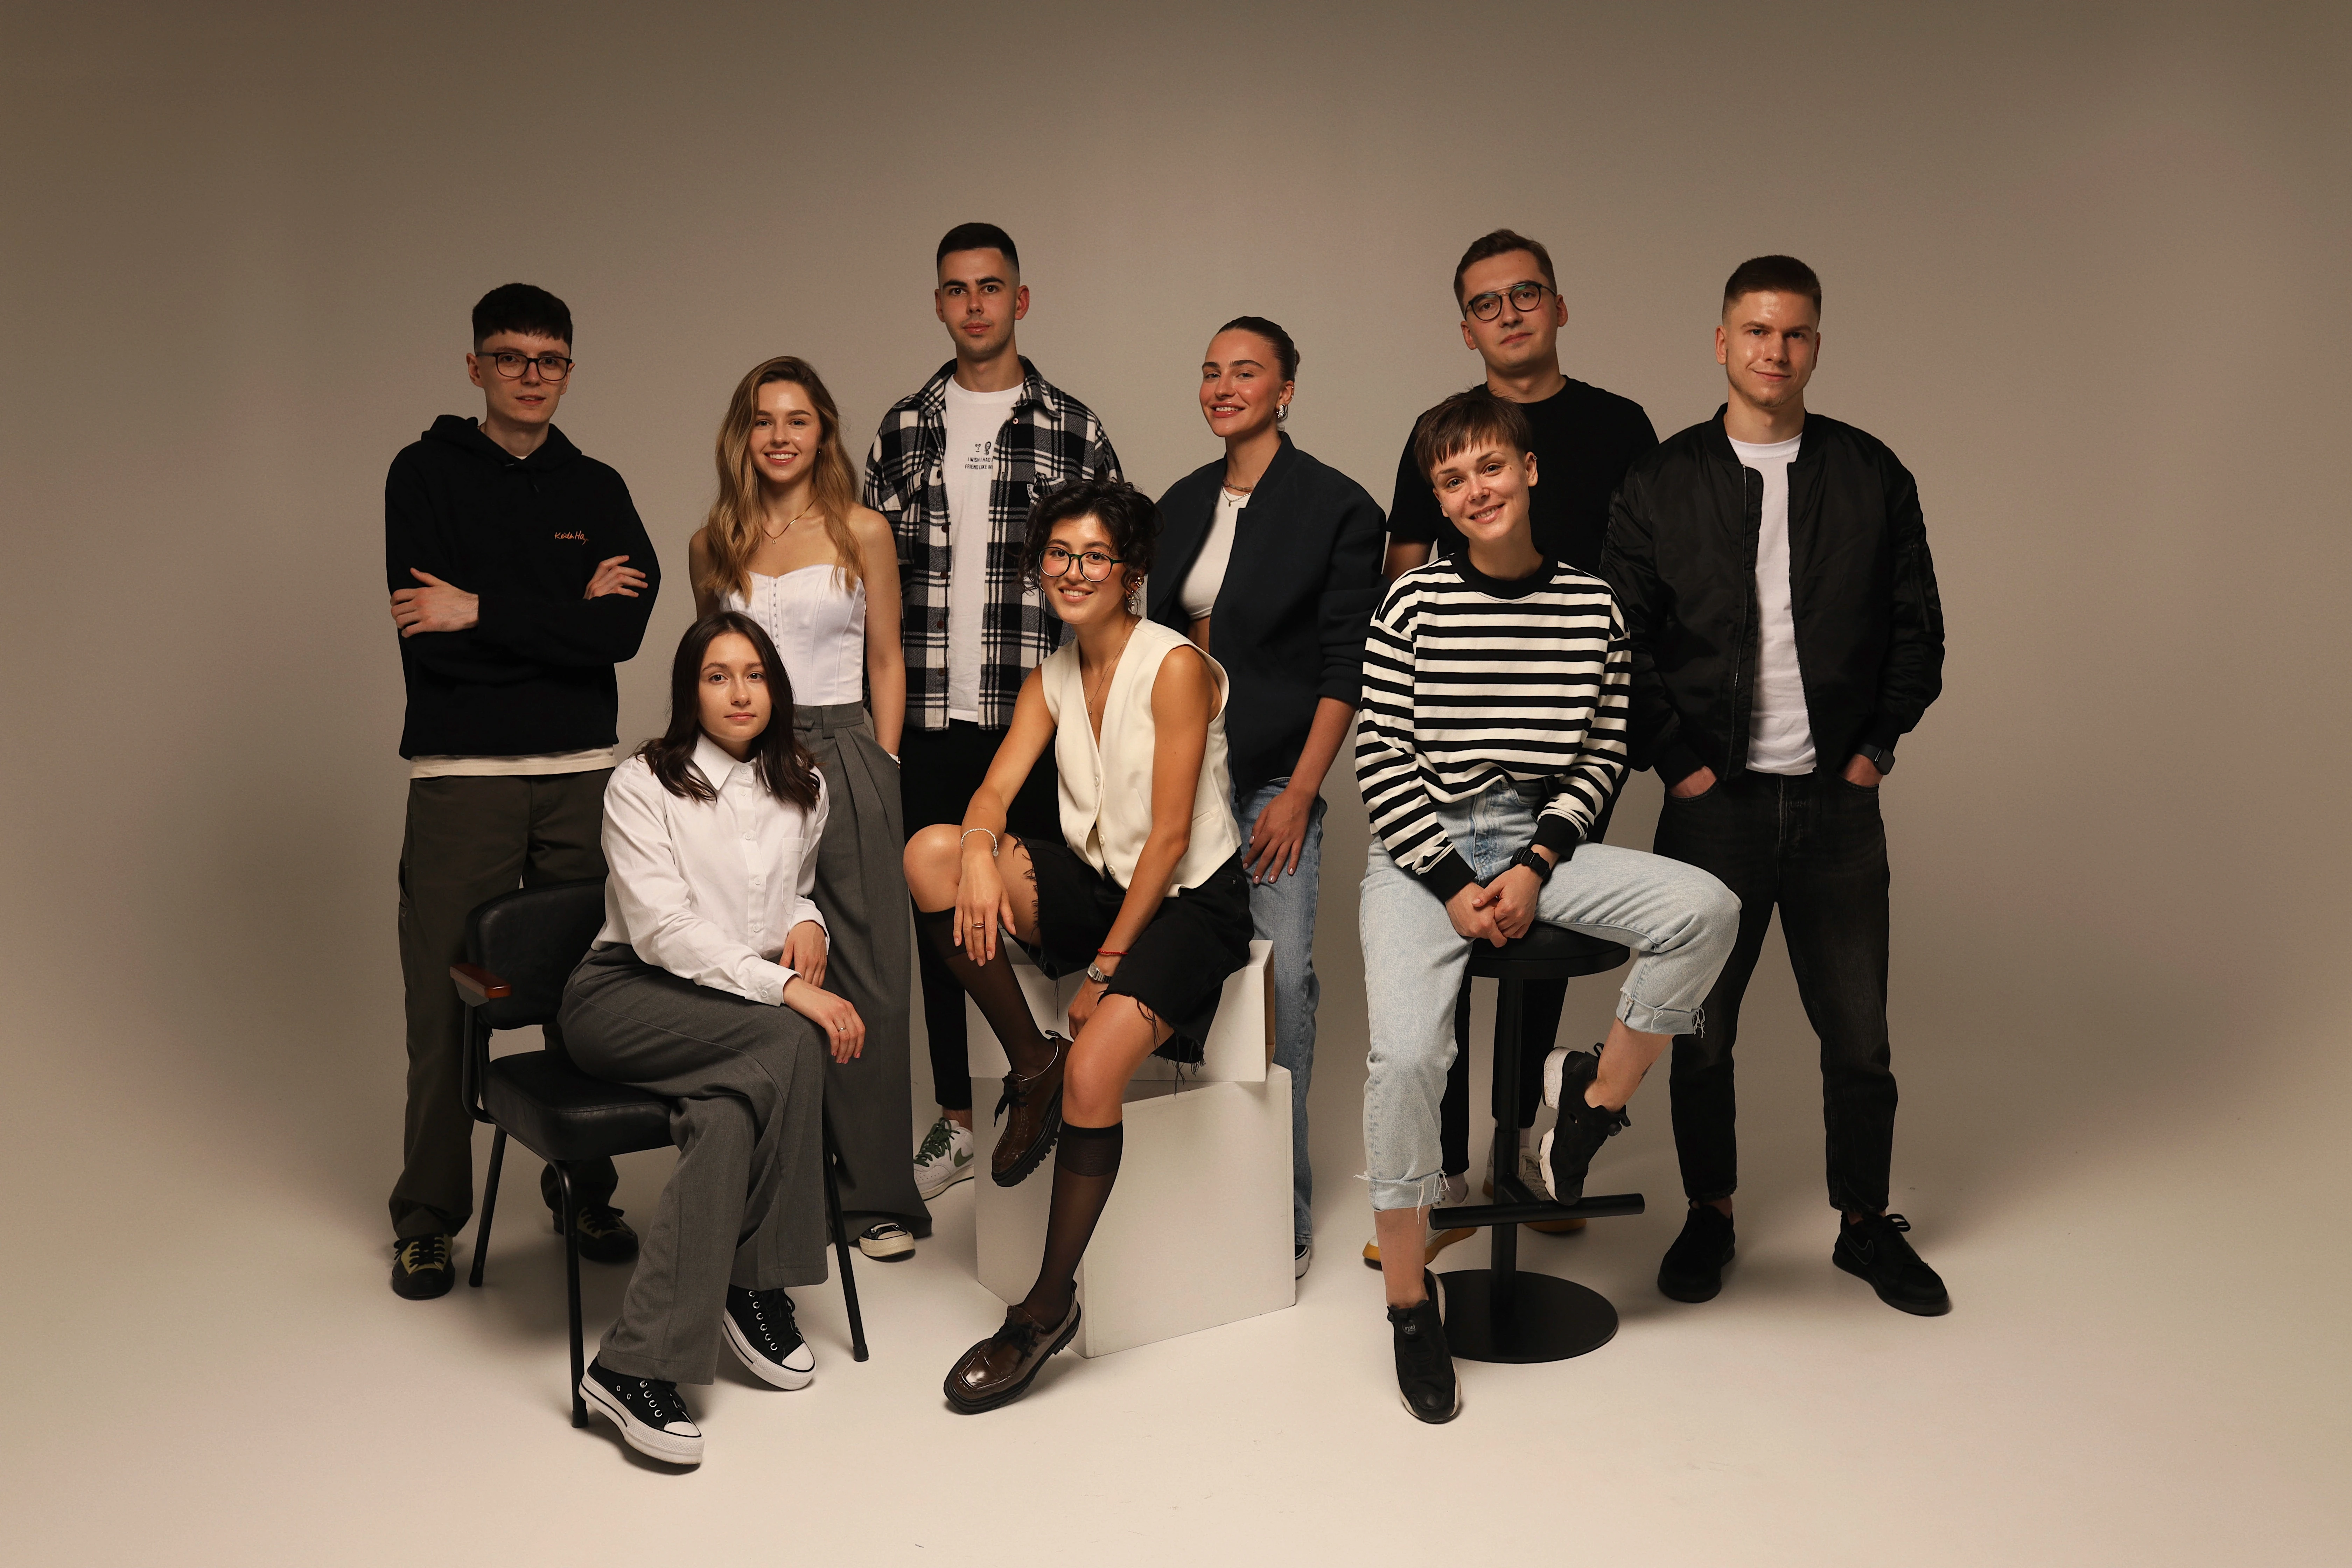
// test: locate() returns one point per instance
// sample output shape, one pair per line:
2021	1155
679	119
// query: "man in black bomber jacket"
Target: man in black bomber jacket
1774	572
520	576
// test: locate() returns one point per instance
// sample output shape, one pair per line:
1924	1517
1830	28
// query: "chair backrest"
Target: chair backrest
532	939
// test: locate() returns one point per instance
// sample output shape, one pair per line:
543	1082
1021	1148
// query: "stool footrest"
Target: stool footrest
1477	1215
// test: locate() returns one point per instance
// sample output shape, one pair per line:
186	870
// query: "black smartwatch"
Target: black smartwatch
1542	868
1879	757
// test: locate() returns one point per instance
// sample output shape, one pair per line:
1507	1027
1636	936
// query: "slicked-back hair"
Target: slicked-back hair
785	768
1773	275
1126	514
1284	350
1501	242
1464	420
978	237
522	308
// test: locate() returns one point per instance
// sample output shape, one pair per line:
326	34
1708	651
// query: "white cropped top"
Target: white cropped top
819	631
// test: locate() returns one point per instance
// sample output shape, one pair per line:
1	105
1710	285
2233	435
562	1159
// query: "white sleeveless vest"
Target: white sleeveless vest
1106	787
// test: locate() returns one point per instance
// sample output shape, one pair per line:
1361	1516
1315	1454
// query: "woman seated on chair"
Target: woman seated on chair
704	987
1146	894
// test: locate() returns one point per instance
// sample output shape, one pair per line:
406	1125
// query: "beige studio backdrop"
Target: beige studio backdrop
2084	273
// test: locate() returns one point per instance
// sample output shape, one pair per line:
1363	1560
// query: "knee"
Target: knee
933	865
1715	914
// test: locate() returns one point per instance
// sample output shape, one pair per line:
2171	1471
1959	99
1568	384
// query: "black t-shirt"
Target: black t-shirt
1585	439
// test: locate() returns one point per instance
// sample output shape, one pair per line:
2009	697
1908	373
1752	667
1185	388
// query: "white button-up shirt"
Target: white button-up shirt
708	889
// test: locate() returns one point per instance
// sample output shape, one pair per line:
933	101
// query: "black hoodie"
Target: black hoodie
534	674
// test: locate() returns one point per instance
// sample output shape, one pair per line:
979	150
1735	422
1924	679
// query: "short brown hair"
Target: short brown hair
1465	419
1773	275
1502	242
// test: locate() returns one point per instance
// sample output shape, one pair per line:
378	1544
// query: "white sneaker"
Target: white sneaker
944	1159
1302	1254
1453	1192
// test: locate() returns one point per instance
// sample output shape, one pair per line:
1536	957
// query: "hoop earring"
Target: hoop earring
1282	414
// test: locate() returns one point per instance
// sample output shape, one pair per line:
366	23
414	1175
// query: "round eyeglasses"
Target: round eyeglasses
1524	297
1092	564
551	367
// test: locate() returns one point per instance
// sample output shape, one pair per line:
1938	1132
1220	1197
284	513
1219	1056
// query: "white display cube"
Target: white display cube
1198	1230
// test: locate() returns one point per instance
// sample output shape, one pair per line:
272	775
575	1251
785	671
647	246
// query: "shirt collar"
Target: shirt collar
716	765
1036	392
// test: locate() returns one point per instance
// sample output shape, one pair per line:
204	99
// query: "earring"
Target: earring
1282	414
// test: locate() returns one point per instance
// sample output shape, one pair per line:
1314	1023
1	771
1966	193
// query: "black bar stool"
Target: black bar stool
1499	1313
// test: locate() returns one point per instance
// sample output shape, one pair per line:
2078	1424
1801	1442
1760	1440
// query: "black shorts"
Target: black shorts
1176	968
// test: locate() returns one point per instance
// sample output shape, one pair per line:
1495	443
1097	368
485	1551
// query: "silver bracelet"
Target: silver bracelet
970	831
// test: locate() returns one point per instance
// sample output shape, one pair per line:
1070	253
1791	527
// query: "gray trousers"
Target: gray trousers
746	1205
861	886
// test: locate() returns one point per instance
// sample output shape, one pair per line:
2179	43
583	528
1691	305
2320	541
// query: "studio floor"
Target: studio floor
2144	1366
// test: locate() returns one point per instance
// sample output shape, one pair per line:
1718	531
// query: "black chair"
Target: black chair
520	948
1500	1313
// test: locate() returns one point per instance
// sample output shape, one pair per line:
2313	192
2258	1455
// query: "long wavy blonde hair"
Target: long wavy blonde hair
732	529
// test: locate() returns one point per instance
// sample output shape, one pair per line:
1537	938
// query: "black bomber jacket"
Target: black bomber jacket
1681	557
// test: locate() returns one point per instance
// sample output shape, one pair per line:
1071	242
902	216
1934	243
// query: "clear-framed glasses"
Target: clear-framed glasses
551	367
1092	564
1524	297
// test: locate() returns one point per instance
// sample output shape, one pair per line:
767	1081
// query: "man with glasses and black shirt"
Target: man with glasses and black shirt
955	467
519	577
1583	439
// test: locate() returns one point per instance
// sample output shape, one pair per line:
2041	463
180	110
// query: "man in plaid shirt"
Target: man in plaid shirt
955	467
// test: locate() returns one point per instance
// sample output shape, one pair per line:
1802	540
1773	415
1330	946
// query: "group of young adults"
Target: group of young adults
998	680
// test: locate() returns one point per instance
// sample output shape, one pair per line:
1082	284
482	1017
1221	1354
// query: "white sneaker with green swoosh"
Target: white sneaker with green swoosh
943	1160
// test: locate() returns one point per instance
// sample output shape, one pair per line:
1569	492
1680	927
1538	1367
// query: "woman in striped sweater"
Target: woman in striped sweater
1493	735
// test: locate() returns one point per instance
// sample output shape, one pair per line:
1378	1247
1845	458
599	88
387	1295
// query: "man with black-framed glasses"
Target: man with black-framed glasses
1583	440
520	576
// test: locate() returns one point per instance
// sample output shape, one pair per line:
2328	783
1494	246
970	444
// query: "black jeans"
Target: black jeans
938	771
1816	846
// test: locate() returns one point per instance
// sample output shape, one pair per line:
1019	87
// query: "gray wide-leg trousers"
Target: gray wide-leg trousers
746	1205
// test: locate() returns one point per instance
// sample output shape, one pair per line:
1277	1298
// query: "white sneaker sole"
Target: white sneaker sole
888	1247
797	1372
1554	1065
927	1187
670	1448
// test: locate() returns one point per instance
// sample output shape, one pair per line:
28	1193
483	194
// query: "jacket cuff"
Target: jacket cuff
1884	733
1559	836
1676	761
1449	876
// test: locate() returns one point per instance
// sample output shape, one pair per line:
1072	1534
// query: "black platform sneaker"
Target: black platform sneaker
1568	1147
652	1418
759	1325
1425	1367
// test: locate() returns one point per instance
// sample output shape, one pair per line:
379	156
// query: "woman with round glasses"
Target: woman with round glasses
787	543
1144	893
1271	562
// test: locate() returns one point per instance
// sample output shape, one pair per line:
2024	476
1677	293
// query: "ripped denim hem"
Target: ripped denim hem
1643	1018
1424	1192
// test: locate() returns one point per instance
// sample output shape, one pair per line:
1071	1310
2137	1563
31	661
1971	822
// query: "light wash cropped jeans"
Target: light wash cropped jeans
1679	922
1283	909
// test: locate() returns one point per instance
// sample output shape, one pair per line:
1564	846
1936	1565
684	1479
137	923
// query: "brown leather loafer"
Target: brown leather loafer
1036	1103
1000	1369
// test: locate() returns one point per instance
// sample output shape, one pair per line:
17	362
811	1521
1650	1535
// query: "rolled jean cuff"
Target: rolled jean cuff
1410	1194
1644	1019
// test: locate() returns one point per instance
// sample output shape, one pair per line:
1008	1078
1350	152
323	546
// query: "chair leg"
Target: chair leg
572	1288
841	1246
489	1208
1509	1016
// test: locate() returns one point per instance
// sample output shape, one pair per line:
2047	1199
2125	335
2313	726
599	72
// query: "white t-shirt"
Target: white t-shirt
1198	596
973	419
1780	730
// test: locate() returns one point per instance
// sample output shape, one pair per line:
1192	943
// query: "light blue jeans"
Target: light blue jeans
1282	911
1679	922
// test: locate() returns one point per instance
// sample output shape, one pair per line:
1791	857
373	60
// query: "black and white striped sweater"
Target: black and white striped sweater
1468	680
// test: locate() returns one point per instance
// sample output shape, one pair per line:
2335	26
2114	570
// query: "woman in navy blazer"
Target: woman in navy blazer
1271	563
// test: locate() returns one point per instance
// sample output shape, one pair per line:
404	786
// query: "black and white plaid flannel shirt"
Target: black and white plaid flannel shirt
1050	440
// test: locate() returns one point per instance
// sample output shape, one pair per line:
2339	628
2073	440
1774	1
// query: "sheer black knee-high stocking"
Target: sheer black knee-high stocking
992	986
1086	1167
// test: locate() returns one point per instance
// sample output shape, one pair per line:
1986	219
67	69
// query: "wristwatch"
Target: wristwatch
1542	868
1095	972
1880	758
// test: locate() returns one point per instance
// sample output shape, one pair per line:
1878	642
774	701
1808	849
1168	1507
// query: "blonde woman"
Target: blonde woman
788	544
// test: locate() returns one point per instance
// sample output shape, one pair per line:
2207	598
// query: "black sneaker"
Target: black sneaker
759	1324
1425	1367
886	1241
1692	1269
421	1267
653	1419
1568	1147
1874	1249
605	1235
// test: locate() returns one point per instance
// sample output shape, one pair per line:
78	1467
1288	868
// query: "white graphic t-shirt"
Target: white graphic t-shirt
973	419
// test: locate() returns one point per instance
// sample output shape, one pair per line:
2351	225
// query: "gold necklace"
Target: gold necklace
789	522
1094	699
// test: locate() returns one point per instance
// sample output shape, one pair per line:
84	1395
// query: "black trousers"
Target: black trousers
937	771
1815	846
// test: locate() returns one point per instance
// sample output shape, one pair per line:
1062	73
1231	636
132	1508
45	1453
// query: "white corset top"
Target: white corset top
818	629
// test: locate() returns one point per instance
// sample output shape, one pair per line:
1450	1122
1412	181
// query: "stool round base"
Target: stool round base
1545	1319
